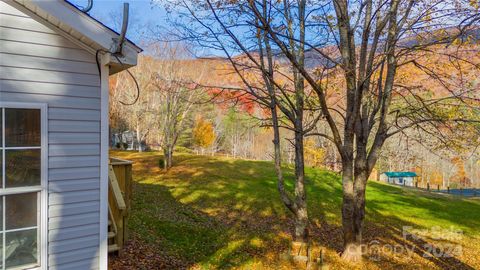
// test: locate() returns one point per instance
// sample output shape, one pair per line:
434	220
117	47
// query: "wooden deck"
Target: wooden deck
119	197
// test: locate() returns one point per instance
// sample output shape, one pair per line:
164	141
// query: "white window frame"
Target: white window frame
43	188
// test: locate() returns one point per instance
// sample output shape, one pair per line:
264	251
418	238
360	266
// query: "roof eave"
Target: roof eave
79	28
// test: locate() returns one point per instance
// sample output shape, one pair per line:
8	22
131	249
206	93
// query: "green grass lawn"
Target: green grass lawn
220	213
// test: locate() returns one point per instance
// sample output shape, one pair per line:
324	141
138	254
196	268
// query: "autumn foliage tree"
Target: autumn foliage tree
203	134
314	155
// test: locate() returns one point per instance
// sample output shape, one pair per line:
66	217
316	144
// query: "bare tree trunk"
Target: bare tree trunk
301	214
350	243
354	180
299	206
167	157
139	139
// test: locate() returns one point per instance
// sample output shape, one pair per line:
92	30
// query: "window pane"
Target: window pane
22	168
21	248
21	211
22	127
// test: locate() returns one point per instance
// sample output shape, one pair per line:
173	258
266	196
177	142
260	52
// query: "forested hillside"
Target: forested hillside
207	92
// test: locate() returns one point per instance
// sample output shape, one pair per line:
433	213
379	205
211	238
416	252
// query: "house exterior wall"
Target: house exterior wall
408	181
39	66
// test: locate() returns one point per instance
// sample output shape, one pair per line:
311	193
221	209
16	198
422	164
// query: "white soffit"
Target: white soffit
79	28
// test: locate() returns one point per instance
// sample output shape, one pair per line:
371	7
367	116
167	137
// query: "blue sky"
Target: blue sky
147	21
143	16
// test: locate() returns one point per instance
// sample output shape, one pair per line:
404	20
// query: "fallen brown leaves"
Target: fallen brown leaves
139	255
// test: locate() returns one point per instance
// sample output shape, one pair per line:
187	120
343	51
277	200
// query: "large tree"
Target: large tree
279	89
369	68
373	43
176	95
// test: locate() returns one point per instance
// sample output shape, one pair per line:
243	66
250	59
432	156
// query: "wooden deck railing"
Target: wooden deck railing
119	196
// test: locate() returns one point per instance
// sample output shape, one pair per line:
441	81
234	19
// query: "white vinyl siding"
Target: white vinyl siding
39	66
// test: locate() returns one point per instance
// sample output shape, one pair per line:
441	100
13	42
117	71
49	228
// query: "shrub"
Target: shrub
121	145
161	163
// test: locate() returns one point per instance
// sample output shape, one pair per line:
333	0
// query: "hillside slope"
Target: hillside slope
220	213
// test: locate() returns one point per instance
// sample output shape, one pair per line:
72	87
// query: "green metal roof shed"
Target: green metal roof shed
400	174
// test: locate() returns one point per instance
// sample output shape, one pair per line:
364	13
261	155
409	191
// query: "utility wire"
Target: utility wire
137	86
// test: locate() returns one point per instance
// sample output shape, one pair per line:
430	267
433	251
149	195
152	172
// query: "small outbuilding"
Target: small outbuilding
399	178
55	62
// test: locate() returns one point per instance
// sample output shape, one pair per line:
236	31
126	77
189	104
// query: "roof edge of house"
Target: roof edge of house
81	29
139	49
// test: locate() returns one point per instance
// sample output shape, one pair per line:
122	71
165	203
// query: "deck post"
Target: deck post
120	179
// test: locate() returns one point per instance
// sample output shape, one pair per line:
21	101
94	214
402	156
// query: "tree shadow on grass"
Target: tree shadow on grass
408	240
221	214
168	234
